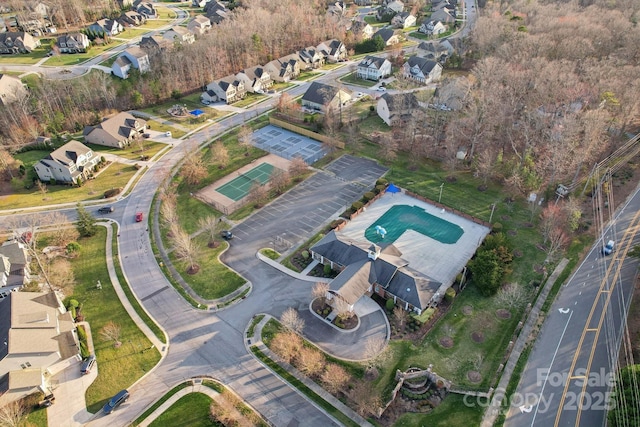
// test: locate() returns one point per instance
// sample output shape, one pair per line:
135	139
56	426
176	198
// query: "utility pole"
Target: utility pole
440	196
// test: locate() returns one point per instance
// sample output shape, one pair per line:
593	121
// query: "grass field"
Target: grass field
118	367
78	58
133	152
190	410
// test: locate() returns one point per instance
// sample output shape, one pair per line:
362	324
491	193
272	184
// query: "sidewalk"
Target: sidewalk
256	340
493	410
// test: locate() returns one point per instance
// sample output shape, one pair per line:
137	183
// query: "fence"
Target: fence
306	132
449	209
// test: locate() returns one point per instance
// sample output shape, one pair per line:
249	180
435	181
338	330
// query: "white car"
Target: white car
381	89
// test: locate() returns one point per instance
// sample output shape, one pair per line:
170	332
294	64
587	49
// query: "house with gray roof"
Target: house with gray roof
14	266
199	25
361	29
373	68
284	69
132	18
17	42
106	27
215	11
180	35
403	20
117	131
256	79
71	162
228	89
155	44
421	70
367	268
39	339
388	35
311	58
435	50
73	43
147	9
397	108
333	50
322	97
133	57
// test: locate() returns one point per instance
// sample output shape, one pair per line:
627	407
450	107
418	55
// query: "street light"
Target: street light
440	196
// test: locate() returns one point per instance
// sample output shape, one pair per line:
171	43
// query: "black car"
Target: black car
106	209
226	235
115	401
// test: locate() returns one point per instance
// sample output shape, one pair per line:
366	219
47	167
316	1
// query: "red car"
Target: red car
139	217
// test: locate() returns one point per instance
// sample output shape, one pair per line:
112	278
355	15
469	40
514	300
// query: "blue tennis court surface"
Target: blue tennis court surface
287	144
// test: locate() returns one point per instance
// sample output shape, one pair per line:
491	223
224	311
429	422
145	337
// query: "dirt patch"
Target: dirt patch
505	217
517	253
477	337
474	376
451	179
193	269
446	342
467	310
512	232
503	313
538	269
482	188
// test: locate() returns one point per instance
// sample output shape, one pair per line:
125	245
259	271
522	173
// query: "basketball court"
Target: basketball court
287	144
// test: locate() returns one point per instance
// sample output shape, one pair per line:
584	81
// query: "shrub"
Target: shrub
497	227
368	196
382	181
73	247
82	334
389	304
380	188
113	192
372	108
327	269
305	254
355	206
102	159
449	295
52	181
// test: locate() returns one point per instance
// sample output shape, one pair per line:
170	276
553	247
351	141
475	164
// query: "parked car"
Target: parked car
115	401
139	216
381	89
87	364
608	248
47	401
106	209
226	235
167	133
146	135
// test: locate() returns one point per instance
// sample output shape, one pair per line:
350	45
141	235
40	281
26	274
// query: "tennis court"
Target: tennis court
287	144
400	218
240	186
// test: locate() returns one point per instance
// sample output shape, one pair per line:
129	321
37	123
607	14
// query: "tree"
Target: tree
335	378
209	224
365	399
298	167
279	181
258	195
625	404
291	320
320	290
388	147
245	138
111	332
13	414
374	349
400	314
220	154
86	223
193	169
287	345
310	361
186	249
42	187
60	230
168	208
486	271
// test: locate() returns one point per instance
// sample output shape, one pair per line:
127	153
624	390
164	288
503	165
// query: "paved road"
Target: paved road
581	337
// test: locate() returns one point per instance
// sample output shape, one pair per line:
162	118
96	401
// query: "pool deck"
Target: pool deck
439	261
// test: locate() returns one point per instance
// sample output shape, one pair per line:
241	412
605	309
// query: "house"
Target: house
41	10
336	9
421	70
284	69
388	11
322	97
389	36
153	44
444	16
227	89
71	162
333	50
363	2
310	58
17	42
256	79
147	9
200	3
199	25
133	57
11	89
39	340
403	20
180	35
132	18
3	26
370	268
448	5
433	28
435	50
373	68
14	267
397	108
117	131
106	27
361	29
73	43
215	11
397	6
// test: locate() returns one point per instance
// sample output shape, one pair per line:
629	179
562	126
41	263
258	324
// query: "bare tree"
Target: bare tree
168	208
186	249
342	307
512	295
280	181
287	345
193	169
42	187
13	414
558	239
388	147
365	399
400	314
220	154
374	349
210	225
61	230
245	138
258	195
552	217
298	167
335	378
7	163
111	332
319	291
291	320
310	361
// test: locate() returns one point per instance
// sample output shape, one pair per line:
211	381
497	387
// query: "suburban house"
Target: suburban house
132	57
17	42
39	341
215	11
367	268
444	16
333	50
421	70
256	79
390	9
448	5
336	9
14	267
179	35
403	20
153	44
389	37
147	9
117	131
11	89
71	162
322	97
397	108
284	69
200	3
106	27
433	28
361	29
363	2
199	25
228	89
373	68
435	50
310	58
73	43
132	18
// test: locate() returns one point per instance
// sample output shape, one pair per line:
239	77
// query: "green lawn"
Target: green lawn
190	410
162	127
352	79
113	176
308	75
453	411
159	402
24	58
37	418
131	33
133	152
118	367
78	58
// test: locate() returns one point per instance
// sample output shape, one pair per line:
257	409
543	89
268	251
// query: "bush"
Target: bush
382	181
355	206
327	269
82	334
73	247
368	196
305	255
372	108
113	192
389	304
380	188
497	227
449	295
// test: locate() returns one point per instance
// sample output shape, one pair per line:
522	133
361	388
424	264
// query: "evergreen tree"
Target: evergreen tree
86	222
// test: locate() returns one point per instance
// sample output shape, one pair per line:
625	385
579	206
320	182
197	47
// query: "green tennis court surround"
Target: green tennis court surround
240	186
400	218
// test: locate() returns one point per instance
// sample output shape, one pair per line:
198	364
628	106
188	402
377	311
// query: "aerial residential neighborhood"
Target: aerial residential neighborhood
355	213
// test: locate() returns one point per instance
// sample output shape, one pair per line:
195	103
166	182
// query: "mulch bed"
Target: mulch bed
517	253
467	310
474	376
348	323
446	342
477	337
503	313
